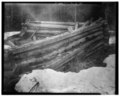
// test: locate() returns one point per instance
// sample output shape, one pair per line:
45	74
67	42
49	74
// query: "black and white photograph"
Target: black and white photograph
59	48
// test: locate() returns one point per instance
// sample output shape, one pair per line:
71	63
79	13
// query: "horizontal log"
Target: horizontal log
41	43
47	26
55	26
44	34
58	44
56	23
55	32
63	23
70	56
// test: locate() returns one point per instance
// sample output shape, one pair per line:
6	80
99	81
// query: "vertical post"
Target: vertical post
11	17
75	12
22	16
50	12
76	24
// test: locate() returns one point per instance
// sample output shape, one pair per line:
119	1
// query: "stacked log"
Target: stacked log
48	29
58	51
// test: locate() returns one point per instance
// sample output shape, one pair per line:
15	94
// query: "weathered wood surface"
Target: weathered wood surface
44	42
65	58
47	26
56	23
52	63
42	52
67	44
56	51
53	32
52	54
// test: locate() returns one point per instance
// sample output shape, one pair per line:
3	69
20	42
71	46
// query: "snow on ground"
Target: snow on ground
95	79
8	34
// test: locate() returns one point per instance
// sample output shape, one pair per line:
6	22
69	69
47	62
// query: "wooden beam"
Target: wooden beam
54	32
47	26
56	23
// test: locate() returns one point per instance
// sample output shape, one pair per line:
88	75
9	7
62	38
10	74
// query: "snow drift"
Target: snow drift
92	80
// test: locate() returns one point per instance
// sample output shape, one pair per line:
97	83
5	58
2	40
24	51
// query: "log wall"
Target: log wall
62	52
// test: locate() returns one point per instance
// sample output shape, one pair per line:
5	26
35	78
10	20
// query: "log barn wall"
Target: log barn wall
61	52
